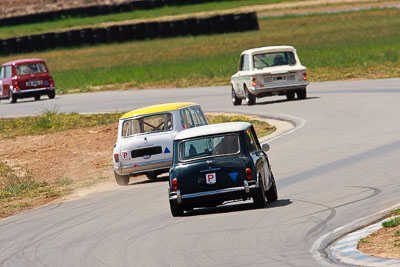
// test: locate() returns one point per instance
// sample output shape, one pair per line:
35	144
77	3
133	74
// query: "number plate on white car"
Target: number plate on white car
34	83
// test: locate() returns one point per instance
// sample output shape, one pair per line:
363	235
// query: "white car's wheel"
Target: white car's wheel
250	99
290	95
235	100
301	93
121	179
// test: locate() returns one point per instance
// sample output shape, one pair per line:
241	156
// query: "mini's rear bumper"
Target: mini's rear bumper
232	193
22	93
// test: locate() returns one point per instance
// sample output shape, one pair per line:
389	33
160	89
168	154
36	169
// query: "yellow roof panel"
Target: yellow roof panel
157	109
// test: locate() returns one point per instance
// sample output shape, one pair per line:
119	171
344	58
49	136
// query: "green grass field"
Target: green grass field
68	22
335	46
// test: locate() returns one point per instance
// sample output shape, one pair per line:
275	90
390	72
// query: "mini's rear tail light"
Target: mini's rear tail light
248	174
305	76
254	81
116	157
174	184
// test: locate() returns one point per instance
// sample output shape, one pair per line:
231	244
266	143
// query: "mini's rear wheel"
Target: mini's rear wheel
121	179
235	100
176	209
272	193
37	97
259	197
51	94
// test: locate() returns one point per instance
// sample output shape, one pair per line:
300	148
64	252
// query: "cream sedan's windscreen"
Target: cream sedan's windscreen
209	147
147	124
273	59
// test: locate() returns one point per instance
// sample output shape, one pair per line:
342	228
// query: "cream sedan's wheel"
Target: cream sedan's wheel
235	100
250	99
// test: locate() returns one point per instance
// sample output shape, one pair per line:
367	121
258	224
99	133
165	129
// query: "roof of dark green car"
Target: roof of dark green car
212	129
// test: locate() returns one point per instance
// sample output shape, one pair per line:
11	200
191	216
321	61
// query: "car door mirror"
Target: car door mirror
265	147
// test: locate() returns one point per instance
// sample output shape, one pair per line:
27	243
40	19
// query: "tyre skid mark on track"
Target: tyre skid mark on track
332	210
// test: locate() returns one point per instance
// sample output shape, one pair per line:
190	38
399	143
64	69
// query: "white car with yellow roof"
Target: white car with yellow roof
145	138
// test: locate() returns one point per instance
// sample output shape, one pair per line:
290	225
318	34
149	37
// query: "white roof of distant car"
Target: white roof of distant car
212	129
269	49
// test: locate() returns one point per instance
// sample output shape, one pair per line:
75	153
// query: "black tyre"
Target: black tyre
259	197
301	94
12	97
290	95
37	97
121	179
250	99
176	209
151	175
51	94
235	100
272	193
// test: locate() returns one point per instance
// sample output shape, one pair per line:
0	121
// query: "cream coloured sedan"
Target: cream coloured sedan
269	71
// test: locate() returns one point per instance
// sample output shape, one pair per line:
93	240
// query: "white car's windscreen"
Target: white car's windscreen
147	124
264	60
209	147
30	68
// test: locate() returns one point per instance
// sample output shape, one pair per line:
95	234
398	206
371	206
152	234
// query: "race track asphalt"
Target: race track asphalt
339	164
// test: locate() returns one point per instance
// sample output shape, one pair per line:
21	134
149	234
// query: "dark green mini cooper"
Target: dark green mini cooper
217	163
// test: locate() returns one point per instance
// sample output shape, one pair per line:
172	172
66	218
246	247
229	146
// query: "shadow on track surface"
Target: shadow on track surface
284	100
234	206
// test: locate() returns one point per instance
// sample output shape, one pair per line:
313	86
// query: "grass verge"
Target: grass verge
51	121
19	189
392	223
332	46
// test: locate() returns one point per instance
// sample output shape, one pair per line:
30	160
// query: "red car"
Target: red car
26	78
